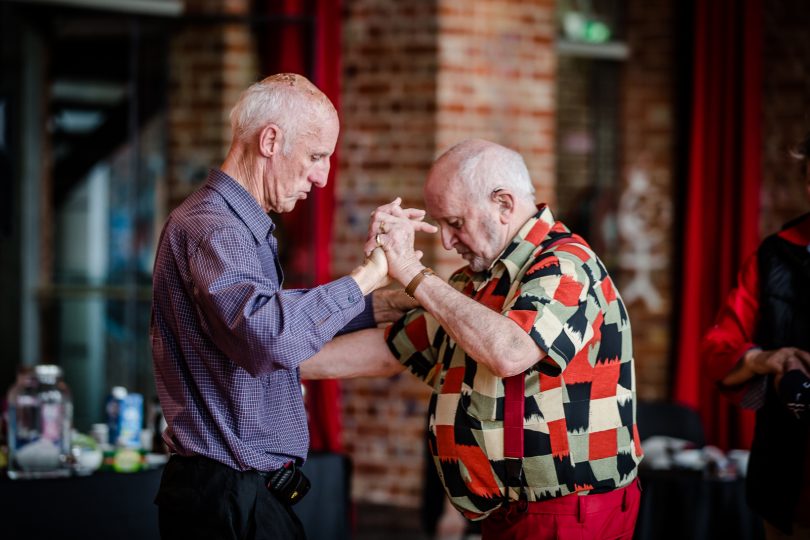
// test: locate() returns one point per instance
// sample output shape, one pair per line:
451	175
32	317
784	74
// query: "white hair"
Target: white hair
288	100
485	166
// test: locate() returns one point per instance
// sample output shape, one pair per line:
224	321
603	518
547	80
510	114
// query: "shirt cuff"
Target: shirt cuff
346	297
364	320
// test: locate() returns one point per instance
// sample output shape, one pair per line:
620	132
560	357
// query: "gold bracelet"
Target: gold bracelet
417	279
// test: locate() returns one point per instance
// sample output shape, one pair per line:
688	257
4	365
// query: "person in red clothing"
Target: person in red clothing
758	351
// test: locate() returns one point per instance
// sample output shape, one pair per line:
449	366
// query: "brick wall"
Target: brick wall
210	62
419	77
648	144
388	110
496	81
387	143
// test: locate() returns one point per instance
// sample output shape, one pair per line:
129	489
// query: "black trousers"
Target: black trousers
200	498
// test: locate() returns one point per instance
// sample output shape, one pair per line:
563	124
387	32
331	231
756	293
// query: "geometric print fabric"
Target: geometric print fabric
580	432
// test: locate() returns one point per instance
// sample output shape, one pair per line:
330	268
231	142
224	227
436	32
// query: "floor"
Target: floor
380	522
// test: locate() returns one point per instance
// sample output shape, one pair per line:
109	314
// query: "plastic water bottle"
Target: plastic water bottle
40	418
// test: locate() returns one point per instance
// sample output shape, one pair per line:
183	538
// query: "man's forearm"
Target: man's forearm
359	354
485	335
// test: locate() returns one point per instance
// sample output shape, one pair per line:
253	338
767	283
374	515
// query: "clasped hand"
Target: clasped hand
393	229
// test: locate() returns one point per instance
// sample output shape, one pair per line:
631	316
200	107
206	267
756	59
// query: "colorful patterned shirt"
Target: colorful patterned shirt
580	432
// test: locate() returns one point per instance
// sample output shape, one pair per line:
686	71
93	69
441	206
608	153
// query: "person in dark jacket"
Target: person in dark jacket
759	352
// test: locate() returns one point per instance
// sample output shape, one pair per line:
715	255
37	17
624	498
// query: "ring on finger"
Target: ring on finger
377	240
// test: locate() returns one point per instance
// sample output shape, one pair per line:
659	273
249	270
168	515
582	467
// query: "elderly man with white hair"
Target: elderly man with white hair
228	339
528	351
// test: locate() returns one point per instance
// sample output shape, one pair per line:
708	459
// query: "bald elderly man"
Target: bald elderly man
228	339
528	351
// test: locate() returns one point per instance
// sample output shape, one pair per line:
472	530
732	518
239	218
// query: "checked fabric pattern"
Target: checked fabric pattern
227	337
580	432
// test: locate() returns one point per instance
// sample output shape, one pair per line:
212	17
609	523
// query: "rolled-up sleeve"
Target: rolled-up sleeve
412	341
555	309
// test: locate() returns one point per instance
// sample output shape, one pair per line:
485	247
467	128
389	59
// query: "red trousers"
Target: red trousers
606	516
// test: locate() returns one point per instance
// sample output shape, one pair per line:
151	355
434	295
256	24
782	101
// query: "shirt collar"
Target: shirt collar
797	231
530	236
242	203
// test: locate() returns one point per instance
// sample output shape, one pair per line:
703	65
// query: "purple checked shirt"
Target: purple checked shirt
227	339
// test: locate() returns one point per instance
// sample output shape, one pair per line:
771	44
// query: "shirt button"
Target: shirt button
352	299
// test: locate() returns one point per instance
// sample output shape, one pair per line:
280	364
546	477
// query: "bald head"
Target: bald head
476	168
287	100
480	194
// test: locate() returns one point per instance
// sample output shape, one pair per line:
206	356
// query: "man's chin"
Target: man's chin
476	264
288	206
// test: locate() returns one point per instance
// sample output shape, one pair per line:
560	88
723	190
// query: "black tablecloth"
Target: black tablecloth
119	506
102	505
686	505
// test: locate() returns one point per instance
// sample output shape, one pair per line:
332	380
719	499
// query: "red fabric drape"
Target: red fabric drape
312	50
721	215
324	396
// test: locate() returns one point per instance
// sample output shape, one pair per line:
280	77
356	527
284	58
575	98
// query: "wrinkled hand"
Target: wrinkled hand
390	305
778	362
394	228
373	273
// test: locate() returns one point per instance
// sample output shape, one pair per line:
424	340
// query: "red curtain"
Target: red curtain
324	396
307	41
721	213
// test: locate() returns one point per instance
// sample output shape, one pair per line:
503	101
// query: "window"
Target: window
96	141
588	131
91	159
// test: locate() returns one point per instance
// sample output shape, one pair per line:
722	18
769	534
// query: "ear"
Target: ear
270	140
505	200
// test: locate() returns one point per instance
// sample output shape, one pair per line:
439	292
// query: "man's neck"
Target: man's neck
242	167
519	218
522	214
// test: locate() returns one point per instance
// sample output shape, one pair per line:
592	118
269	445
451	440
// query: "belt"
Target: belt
272	476
216	463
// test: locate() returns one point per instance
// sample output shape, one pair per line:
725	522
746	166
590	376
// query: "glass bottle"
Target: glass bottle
40	417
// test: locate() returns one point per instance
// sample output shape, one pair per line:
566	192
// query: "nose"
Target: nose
448	238
320	174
